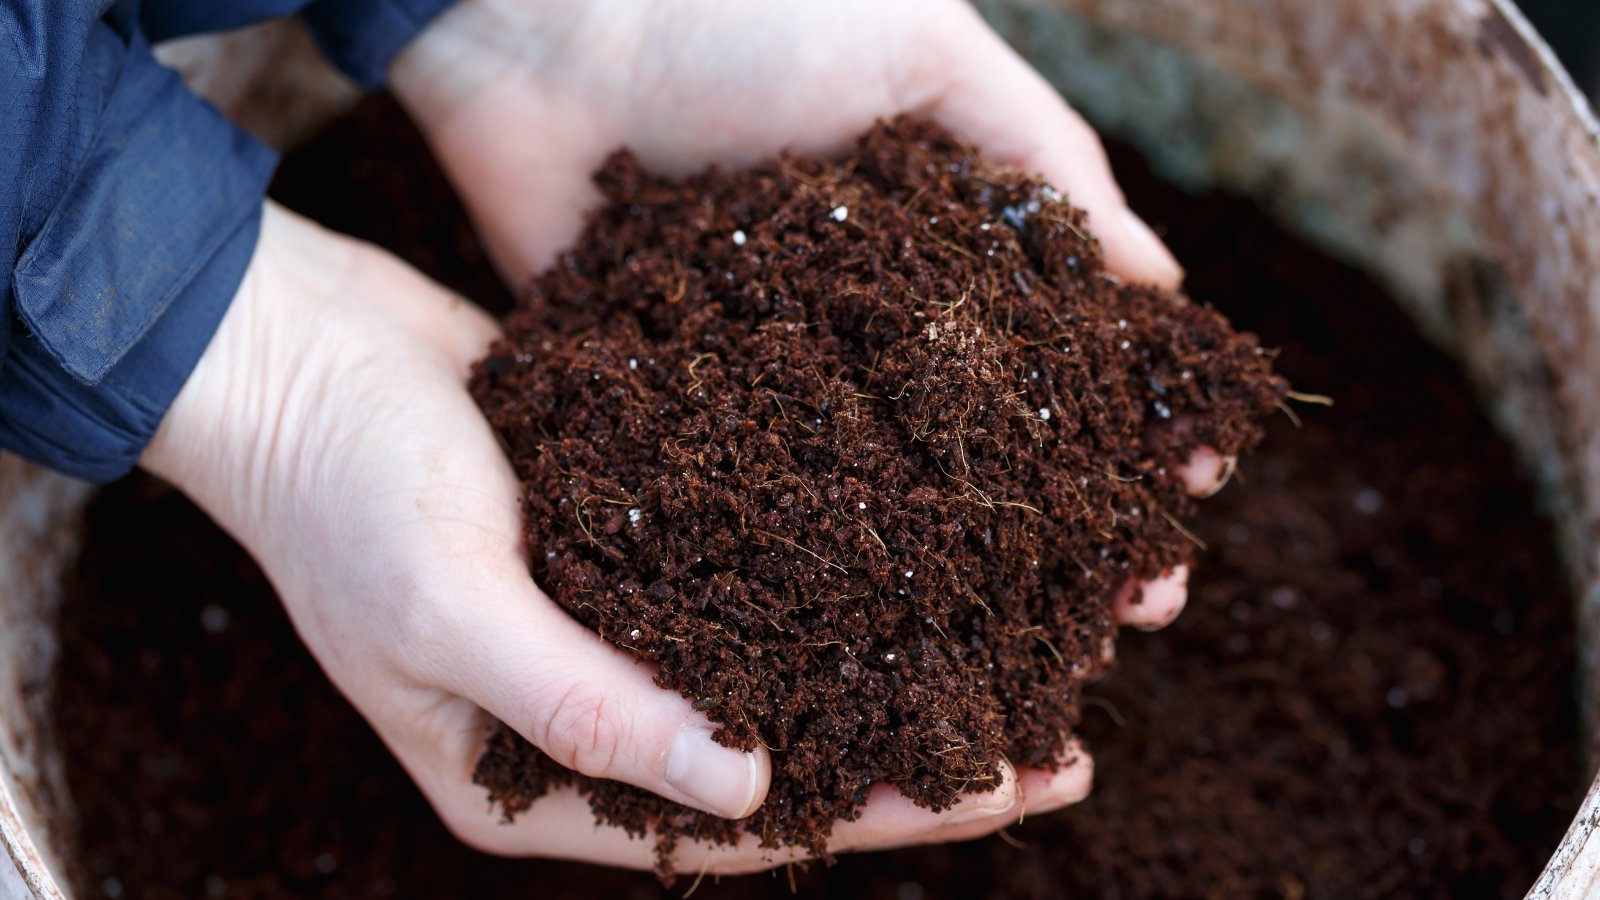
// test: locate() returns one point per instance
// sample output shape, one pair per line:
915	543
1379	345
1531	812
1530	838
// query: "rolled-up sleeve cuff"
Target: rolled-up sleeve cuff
98	432
166	182
119	292
363	36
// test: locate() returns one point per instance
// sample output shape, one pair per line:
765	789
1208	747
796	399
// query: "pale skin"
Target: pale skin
328	428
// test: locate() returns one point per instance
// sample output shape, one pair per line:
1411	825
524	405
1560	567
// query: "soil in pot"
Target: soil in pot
1369	695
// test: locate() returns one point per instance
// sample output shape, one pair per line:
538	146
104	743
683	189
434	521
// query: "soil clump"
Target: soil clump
856	452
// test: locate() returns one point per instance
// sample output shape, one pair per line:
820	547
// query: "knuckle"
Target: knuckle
585	728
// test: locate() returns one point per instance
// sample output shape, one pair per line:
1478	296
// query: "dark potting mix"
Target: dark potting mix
1369	695
858	452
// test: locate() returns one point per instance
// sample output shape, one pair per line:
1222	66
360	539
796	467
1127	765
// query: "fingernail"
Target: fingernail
1150	246
1229	463
1175	578
983	812
712	777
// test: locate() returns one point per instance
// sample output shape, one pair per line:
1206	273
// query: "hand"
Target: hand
523	99
328	428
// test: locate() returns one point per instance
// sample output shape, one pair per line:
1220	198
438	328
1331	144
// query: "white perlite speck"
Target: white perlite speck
1044	413
214	619
840	213
634	516
1368	501
738	238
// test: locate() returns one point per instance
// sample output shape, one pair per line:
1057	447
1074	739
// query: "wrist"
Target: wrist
195	443
217	441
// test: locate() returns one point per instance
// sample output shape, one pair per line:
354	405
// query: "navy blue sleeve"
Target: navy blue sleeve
129	210
360	36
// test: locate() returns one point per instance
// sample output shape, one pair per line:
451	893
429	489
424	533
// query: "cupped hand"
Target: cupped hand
329	430
523	99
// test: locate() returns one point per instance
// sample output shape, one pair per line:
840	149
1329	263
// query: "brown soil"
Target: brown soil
857	453
1257	747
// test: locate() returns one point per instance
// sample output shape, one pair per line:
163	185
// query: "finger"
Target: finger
999	102
1046	791
562	825
1154	604
528	199
890	820
1207	472
594	709
459	329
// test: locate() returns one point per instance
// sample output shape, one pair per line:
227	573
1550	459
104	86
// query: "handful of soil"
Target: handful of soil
857	452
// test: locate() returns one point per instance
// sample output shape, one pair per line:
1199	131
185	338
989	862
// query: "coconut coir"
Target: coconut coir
857	452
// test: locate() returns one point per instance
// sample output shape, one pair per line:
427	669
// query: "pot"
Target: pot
1434	143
